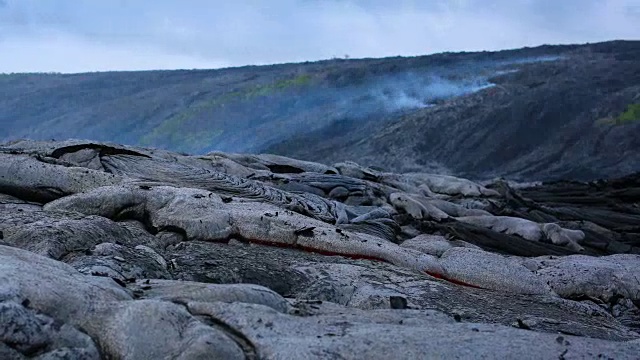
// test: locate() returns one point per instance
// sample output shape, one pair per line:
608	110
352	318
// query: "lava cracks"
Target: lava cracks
120	243
203	215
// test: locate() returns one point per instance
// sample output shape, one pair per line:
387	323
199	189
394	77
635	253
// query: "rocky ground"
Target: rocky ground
538	113
547	120
116	252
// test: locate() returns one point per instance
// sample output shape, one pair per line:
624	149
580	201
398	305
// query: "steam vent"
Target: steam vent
467	205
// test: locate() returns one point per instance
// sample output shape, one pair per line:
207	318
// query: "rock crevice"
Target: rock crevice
126	253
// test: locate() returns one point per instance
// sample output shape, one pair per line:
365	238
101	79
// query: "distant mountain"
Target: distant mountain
533	113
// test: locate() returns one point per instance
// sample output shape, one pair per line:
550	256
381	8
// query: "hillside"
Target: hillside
533	113
573	118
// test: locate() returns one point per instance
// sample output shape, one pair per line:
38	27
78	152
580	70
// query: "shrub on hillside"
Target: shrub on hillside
632	113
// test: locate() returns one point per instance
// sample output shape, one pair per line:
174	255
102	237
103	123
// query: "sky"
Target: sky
100	35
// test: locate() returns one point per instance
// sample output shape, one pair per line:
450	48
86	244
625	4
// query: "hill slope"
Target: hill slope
571	118
533	113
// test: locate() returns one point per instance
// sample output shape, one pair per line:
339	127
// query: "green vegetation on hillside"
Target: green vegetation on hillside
264	90
171	127
631	114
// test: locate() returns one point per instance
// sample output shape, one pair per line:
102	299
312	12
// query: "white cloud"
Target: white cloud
52	51
73	36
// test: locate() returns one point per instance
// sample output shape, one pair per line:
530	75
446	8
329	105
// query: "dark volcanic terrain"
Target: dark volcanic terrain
541	121
405	222
117	252
544	113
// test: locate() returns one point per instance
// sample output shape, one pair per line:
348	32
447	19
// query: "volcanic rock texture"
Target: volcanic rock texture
117	252
566	112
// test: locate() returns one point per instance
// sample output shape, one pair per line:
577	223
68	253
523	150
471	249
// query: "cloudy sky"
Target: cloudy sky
95	35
